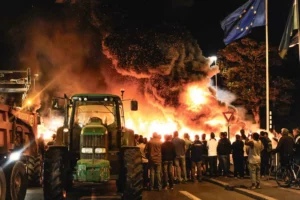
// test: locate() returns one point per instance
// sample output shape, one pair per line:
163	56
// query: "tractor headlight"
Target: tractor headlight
100	150
87	150
15	156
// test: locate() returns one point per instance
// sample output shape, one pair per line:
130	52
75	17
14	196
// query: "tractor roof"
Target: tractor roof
95	95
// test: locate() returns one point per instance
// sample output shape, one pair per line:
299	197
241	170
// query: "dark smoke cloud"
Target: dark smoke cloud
162	55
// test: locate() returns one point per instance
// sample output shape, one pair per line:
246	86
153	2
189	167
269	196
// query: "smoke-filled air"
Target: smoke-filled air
106	48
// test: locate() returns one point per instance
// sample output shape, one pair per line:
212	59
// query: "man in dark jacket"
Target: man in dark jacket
168	155
296	133
224	149
153	153
265	154
238	156
197	151
285	147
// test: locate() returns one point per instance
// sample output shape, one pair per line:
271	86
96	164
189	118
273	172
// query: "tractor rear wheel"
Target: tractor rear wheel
54	173
34	170
18	182
131	176
2	185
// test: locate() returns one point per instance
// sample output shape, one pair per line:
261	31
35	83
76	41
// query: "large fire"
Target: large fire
195	98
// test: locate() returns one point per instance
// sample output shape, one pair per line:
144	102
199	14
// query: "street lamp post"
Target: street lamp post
214	59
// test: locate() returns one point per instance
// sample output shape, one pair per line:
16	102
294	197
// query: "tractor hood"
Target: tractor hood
94	129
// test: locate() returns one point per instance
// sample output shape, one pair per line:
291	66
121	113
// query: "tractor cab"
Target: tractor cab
94	131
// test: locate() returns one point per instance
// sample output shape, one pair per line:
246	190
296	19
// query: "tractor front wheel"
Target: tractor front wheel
130	182
54	173
34	170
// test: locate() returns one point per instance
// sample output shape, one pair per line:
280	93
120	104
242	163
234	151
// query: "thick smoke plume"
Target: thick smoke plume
166	60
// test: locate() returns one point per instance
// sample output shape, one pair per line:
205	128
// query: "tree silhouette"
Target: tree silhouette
242	65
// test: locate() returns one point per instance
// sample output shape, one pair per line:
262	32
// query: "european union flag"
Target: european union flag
239	23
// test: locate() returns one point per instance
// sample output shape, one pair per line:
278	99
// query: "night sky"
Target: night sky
201	17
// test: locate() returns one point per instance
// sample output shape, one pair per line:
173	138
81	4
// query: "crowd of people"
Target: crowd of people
179	160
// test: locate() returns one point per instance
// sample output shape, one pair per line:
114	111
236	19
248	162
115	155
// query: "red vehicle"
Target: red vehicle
19	151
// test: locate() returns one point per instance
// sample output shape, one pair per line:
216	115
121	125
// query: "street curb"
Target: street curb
243	191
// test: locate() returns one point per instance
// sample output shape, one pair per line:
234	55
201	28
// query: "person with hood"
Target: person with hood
254	160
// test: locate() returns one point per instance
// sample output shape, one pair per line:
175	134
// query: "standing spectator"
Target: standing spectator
188	162
238	156
168	155
180	157
197	151
265	154
223	150
296	133
245	161
153	153
205	154
136	139
212	155
142	146
254	160
285	147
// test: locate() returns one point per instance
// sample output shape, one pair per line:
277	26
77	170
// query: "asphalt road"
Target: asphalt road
194	191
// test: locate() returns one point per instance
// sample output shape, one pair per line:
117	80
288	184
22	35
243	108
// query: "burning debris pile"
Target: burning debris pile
174	77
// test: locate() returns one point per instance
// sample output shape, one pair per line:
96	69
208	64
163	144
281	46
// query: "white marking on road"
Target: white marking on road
189	195
255	194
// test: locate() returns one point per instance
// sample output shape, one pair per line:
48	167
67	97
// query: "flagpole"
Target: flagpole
298	21
267	69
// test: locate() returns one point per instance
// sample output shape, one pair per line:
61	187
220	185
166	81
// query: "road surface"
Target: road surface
188	191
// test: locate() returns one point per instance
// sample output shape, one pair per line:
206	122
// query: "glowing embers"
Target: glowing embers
196	97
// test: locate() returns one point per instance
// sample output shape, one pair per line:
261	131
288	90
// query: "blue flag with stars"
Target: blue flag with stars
240	23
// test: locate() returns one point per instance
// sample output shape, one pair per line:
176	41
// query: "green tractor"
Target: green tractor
93	146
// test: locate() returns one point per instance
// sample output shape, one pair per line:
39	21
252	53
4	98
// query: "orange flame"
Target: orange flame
194	100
